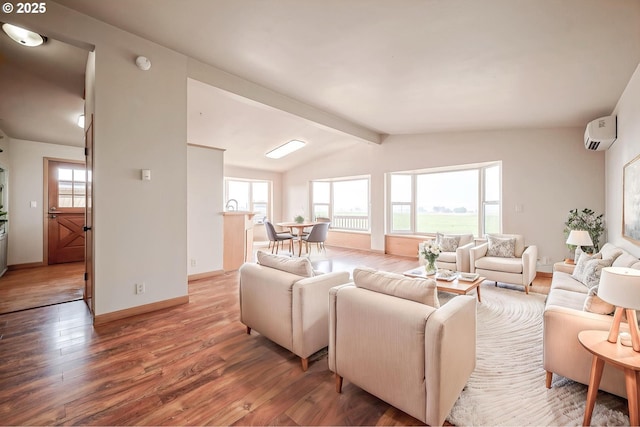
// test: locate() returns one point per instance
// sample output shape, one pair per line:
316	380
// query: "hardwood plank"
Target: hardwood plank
41	286
191	364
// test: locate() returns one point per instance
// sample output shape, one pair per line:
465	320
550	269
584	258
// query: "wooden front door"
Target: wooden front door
67	185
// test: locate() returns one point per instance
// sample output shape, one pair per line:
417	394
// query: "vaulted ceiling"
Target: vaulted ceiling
394	67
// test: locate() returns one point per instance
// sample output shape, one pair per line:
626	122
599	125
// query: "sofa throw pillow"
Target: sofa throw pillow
581	264
447	243
423	291
593	269
595	304
503	247
298	266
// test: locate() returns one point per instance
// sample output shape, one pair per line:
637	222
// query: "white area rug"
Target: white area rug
507	387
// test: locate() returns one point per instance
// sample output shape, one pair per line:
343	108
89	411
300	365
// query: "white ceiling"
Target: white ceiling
42	91
395	67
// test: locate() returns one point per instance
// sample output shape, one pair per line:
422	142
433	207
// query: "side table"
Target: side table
621	357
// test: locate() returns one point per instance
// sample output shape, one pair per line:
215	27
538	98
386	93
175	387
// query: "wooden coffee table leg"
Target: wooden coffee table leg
478	291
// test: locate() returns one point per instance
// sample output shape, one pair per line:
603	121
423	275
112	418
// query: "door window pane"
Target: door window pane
71	187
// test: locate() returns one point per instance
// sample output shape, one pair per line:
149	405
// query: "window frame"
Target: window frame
482	203
269	210
331	203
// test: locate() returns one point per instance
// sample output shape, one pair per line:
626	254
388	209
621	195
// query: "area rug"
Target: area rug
507	387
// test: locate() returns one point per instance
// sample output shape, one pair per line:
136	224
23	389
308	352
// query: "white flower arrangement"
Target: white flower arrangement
430	251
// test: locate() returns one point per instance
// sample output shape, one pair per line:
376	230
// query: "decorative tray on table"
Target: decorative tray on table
468	277
447	275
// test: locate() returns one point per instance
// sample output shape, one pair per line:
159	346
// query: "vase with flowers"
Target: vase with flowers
430	252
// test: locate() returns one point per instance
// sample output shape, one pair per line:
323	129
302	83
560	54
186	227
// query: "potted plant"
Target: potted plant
299	219
587	220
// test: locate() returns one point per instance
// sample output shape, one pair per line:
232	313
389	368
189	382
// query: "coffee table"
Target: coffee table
456	286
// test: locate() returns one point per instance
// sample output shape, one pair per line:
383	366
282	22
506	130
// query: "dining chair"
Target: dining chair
317	235
275	237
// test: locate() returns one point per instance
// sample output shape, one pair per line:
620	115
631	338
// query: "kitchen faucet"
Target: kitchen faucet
229	207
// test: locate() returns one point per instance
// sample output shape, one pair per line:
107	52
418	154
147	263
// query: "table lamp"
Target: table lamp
620	286
579	238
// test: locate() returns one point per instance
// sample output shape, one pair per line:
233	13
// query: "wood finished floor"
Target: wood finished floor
40	286
188	365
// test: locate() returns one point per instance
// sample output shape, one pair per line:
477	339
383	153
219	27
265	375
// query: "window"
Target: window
71	187
457	200
252	196
344	201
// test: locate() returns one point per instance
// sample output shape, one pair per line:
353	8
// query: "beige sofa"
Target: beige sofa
283	299
517	269
565	317
414	356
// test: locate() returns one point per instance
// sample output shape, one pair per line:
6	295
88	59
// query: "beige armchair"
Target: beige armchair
416	357
455	257
283	299
505	258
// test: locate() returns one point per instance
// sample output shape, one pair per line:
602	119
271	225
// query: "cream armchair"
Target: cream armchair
516	265
416	357
456	259
283	299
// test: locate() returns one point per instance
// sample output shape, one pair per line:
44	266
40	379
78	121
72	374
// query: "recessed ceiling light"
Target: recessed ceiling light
285	149
23	36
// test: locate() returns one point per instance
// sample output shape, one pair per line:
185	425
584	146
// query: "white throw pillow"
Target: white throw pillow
581	264
419	290
447	243
503	247
299	266
595	304
593	269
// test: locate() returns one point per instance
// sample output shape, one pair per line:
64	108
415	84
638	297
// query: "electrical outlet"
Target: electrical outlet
193	262
139	288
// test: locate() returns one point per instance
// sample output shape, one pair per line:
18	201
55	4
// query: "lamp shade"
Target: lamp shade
579	238
620	286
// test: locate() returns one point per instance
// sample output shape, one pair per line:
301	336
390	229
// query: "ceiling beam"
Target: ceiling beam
221	79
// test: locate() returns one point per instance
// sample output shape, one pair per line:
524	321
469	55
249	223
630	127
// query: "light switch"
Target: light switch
146	174
33	204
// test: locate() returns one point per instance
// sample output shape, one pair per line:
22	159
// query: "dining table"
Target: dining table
299	227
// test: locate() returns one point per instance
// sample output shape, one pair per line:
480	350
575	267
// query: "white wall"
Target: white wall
547	171
140	123
26	184
204	209
623	150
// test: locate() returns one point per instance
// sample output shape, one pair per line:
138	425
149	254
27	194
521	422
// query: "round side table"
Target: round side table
621	357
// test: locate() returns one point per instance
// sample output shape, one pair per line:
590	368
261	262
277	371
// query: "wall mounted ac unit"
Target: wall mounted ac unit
600	133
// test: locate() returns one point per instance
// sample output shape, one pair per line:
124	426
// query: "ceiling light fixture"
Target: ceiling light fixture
81	121
285	149
23	36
